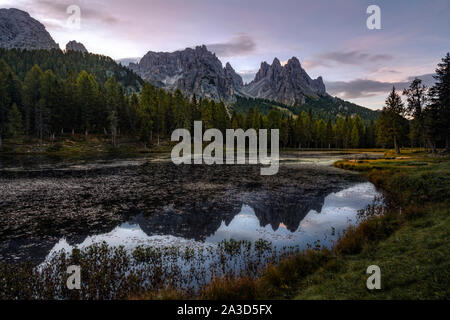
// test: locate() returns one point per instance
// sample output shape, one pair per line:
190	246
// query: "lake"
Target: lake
52	204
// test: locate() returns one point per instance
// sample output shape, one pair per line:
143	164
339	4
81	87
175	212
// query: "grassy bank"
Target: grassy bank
408	240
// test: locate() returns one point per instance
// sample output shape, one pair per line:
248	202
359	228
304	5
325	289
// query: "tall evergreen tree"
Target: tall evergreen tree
438	111
48	114
355	136
329	134
87	98
417	98
31	98
392	118
14	128
5	99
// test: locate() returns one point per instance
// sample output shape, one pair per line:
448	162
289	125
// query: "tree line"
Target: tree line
62	64
425	119
44	106
308	131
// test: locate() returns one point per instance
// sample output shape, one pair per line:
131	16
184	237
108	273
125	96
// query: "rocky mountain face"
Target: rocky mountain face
198	71
193	71
19	30
288	84
76	46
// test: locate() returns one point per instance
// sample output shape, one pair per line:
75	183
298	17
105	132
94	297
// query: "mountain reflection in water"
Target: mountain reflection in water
339	210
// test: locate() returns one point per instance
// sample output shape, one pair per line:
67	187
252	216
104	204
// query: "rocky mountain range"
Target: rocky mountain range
198	71
19	30
288	84
193	71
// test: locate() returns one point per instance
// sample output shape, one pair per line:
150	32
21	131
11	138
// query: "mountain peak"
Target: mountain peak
194	71
276	63
75	46
288	84
19	30
294	62
198	71
16	11
202	48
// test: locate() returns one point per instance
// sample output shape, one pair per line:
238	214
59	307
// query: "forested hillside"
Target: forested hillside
322	107
63	64
65	99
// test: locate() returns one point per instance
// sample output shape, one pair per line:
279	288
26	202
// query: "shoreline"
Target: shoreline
315	273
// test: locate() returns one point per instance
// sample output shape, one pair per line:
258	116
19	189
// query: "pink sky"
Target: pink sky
330	38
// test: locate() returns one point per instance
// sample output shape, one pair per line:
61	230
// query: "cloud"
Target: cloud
363	88
239	45
127	61
247	75
93	11
331	58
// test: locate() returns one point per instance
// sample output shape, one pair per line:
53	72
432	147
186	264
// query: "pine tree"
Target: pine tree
392	118
355	136
221	118
256	121
87	98
339	132
321	132
5	99
71	118
307	129
249	118
48	114
438	112
284	133
147	114
14	127
298	132
371	135
417	98
329	134
10	93
113	122
207	114
160	115
31	98
133	107
116	103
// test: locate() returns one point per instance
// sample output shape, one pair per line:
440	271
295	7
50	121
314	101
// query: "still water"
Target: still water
322	227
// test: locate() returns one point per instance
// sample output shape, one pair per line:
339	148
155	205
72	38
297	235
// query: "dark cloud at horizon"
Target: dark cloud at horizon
239	45
346	58
362	88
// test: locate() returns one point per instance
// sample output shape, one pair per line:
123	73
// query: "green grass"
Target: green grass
414	263
410	243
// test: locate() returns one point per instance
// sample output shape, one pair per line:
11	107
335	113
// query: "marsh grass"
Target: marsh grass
151	272
408	239
407	236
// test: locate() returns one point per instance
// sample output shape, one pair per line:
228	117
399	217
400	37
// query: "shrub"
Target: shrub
243	288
